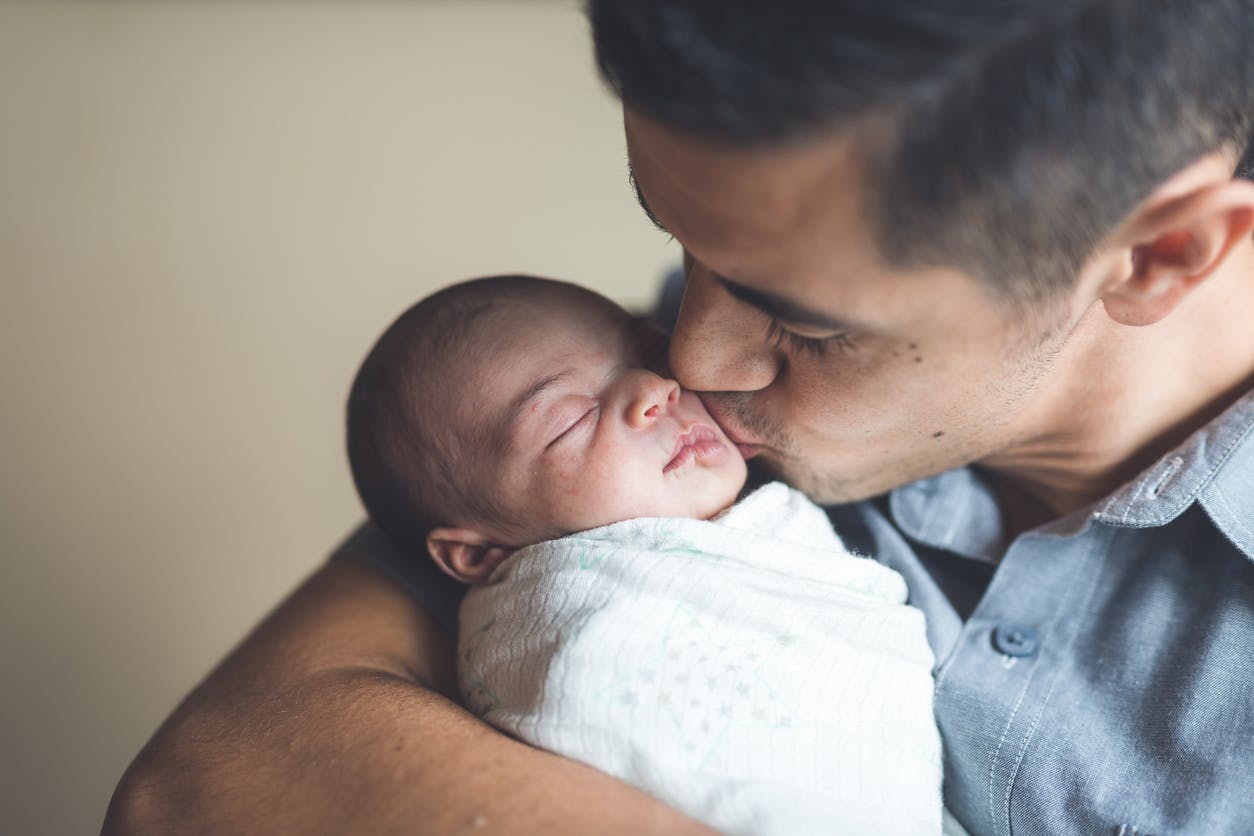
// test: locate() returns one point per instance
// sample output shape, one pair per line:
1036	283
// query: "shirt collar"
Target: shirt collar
954	511
957	512
1214	465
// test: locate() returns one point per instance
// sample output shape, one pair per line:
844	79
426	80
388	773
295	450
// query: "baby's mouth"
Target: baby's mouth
699	442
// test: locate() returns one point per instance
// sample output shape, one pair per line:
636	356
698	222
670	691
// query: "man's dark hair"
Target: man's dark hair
1004	137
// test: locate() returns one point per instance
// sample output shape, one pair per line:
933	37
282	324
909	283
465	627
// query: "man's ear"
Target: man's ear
464	554
1175	240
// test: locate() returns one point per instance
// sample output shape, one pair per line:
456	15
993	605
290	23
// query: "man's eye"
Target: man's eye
814	346
580	423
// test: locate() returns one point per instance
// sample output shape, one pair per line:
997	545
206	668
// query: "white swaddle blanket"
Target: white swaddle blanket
746	670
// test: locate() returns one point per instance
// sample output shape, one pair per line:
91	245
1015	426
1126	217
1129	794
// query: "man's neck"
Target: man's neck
1122	397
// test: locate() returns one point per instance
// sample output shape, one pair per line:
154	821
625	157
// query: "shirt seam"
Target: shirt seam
1125	518
1030	732
992	763
1023	748
959	513
1190	497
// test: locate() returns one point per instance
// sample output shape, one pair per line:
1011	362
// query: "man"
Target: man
979	273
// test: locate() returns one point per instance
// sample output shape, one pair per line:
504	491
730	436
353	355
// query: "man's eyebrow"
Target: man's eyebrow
786	309
644	204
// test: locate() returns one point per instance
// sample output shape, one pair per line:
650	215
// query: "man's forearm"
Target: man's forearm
318	724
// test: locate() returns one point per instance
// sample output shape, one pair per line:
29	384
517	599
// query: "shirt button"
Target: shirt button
1015	640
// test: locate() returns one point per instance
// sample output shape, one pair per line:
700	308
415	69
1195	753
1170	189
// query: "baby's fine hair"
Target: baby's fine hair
408	449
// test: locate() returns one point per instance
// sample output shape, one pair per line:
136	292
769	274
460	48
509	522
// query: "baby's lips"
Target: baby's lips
699	440
695	433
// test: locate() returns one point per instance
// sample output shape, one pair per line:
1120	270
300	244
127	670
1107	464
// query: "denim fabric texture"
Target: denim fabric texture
1127	704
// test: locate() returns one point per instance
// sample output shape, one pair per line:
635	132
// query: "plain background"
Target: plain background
207	213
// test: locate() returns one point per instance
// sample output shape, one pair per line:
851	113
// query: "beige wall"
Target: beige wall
207	211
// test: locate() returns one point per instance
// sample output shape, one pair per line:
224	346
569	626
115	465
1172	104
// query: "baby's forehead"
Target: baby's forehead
524	346
541	340
558	319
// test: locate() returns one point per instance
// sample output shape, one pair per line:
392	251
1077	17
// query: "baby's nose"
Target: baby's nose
650	397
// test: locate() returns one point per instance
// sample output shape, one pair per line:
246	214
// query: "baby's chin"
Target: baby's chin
719	509
730	485
702	503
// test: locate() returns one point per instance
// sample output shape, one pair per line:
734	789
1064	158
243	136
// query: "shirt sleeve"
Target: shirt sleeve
430	588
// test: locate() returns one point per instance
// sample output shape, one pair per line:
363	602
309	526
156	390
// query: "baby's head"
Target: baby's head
508	410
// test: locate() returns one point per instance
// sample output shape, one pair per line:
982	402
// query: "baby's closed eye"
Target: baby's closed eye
572	428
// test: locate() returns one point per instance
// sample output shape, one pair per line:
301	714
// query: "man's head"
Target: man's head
508	410
956	201
1004	138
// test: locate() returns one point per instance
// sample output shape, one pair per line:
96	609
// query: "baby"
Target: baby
730	658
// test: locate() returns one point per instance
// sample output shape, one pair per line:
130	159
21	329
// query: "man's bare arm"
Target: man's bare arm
334	716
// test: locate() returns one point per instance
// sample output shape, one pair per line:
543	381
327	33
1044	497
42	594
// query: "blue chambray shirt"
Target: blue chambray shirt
1095	675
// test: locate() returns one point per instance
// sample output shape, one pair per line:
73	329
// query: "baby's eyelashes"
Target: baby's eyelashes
582	422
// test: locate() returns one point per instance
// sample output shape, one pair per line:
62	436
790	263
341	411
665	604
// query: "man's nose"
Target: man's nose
649	397
720	344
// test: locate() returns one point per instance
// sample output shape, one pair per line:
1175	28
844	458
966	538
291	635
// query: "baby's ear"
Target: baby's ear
464	554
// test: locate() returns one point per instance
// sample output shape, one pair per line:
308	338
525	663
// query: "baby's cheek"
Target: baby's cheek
572	485
586	477
599	485
566	476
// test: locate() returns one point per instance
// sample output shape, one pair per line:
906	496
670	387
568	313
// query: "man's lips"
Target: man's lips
747	449
699	442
